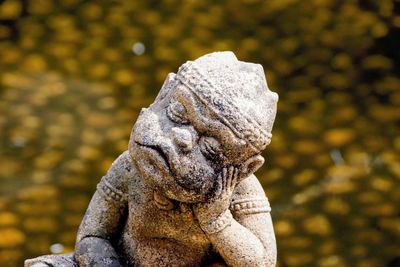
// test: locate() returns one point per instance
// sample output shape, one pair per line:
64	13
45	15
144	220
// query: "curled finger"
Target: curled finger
230	176
219	185
225	175
235	178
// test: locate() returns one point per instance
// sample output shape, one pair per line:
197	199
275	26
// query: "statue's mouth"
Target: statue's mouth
156	162
158	153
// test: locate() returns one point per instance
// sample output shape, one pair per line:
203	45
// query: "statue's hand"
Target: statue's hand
207	212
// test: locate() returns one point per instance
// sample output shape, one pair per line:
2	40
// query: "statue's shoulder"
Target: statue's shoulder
249	188
124	165
119	176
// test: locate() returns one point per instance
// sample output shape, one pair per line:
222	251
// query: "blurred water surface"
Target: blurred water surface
74	75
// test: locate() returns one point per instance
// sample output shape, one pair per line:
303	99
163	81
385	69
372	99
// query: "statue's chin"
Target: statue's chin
175	191
184	195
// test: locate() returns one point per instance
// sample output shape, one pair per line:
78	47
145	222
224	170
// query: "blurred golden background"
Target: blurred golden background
74	75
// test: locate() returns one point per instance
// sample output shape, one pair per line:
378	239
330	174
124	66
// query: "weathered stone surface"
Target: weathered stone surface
66	260
184	193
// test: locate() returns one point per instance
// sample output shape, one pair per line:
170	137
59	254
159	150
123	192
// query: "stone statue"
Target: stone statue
184	193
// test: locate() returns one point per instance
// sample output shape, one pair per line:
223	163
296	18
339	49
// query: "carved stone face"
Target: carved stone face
180	145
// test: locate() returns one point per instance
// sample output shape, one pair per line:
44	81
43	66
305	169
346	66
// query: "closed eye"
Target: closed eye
210	148
177	113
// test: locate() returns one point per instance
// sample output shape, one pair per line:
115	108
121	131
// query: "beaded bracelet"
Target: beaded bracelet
110	193
250	206
220	223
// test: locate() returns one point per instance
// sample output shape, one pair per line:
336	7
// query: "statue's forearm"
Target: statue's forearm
93	247
96	252
239	246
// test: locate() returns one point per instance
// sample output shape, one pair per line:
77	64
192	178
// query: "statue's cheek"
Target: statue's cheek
150	128
195	173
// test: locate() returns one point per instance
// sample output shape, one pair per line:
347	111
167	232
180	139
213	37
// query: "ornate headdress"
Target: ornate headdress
236	92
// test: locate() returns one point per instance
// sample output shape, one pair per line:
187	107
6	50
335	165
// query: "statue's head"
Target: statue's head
214	113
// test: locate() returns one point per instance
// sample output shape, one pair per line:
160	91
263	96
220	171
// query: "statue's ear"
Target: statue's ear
166	88
251	165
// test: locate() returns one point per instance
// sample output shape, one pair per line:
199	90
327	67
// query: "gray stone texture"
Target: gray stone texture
184	193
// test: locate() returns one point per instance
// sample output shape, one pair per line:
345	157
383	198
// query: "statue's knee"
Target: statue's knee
65	260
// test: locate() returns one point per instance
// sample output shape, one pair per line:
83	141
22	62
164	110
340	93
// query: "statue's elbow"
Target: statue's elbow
94	251
84	245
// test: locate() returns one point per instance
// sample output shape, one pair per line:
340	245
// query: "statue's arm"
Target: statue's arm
104	218
243	234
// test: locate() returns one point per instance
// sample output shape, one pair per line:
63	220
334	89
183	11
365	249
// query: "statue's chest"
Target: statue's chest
151	215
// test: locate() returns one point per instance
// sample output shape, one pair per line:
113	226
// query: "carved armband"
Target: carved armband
220	223
250	206
110	193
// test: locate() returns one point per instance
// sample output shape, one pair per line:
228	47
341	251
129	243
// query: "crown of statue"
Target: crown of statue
226	86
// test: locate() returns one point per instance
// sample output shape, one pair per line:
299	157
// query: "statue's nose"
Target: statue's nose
183	139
